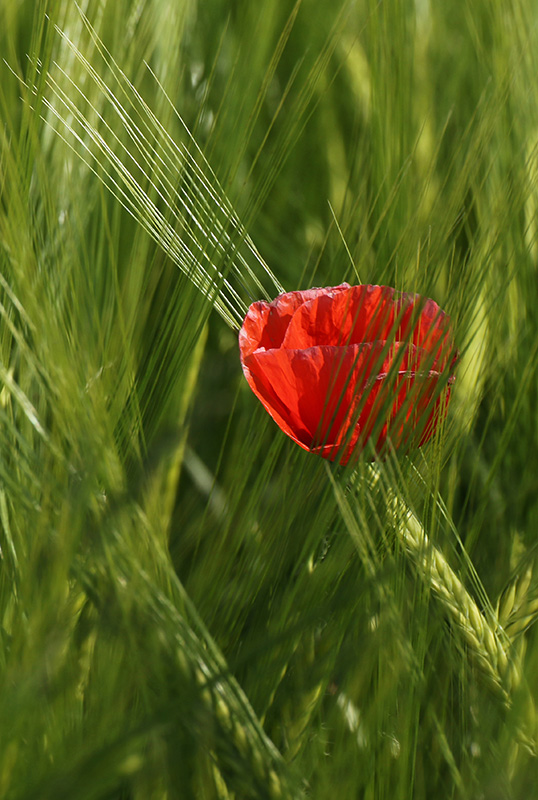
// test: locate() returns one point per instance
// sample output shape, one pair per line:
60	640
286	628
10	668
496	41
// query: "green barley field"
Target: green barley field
191	605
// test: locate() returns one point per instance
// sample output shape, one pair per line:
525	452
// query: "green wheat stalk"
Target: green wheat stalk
247	760
488	647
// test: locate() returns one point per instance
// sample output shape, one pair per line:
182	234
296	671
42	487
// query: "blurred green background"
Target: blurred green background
191	606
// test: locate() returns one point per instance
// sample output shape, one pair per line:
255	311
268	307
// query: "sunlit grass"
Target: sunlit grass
190	605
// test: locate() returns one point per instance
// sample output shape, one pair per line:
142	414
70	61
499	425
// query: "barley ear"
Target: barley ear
517	606
486	645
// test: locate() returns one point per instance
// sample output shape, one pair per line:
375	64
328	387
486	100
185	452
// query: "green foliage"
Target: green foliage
191	606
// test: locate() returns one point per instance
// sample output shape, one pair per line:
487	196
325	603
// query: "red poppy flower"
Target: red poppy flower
324	363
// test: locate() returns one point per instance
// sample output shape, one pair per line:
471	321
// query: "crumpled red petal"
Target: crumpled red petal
266	323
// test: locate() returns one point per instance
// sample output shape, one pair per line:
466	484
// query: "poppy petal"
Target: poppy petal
311	390
266	323
359	314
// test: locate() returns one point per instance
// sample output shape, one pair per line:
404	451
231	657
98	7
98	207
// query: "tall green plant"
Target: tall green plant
189	605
